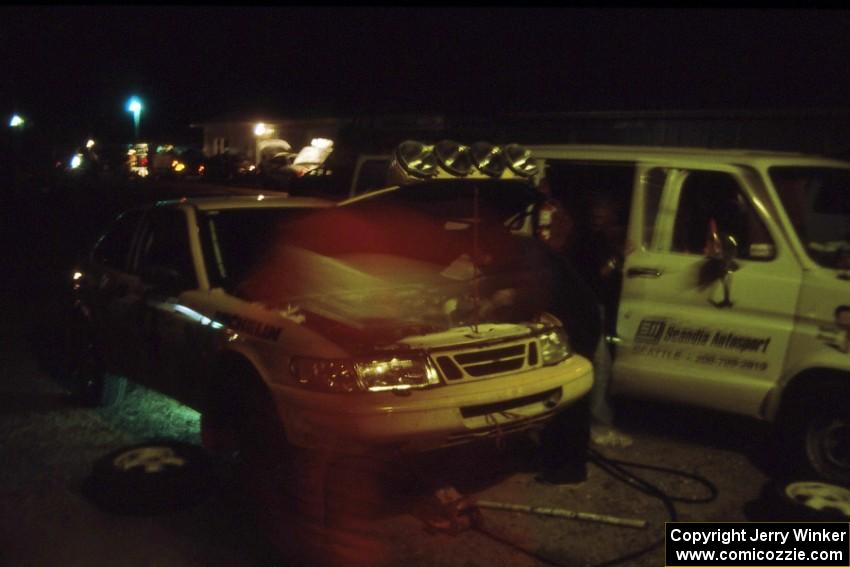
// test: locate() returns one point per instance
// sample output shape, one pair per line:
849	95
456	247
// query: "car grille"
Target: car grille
488	361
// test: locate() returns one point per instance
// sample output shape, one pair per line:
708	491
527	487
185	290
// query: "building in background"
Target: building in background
255	135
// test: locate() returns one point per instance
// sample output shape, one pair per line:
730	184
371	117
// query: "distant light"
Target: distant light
90	144
260	129
16	121
76	161
260	197
252	167
321	143
178	166
77	275
134	105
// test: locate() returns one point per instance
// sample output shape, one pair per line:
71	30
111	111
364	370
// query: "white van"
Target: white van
735	291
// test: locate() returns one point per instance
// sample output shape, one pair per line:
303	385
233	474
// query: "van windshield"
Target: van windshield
817	200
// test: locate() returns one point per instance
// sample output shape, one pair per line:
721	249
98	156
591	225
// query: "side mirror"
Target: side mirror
163	280
721	251
722	247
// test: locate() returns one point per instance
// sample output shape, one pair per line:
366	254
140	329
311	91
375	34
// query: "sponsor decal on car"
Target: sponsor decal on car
249	326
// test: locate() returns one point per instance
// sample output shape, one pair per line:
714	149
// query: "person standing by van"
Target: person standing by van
595	251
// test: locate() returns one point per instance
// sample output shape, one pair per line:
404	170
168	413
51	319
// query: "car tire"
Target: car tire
794	499
816	501
90	384
827	442
818	431
241	420
149	478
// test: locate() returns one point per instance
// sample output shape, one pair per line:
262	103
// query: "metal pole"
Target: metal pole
562	513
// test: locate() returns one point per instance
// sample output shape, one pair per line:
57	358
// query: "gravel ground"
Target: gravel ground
371	514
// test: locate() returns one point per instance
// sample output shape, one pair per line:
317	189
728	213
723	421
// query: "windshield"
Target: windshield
817	200
382	264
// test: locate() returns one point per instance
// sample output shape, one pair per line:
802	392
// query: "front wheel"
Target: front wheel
818	432
827	443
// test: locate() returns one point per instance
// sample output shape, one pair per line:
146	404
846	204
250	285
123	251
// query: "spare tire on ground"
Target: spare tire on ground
789	500
151	477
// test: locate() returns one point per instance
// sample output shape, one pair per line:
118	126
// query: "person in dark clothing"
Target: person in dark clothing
564	442
598	255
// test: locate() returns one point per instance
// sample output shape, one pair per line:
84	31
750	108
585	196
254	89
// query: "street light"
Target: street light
16	121
261	131
134	105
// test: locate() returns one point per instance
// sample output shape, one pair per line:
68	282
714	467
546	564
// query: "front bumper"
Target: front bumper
420	420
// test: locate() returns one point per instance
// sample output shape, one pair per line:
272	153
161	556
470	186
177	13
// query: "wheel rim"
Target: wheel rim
820	496
828	445
836	443
151	459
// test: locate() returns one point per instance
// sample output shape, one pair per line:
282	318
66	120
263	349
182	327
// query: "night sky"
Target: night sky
71	70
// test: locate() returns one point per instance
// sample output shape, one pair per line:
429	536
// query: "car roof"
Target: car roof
259	201
755	158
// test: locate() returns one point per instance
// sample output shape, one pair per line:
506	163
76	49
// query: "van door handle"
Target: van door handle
643	273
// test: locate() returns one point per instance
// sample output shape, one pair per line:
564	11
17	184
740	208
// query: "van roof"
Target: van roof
755	158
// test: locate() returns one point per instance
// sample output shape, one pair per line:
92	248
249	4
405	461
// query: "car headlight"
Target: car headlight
346	376
395	374
554	346
325	375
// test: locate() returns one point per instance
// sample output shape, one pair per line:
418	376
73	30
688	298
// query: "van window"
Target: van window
714	195
817	200
652	190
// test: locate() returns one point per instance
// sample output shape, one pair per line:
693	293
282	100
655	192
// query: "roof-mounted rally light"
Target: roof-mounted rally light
488	158
415	161
519	160
454	157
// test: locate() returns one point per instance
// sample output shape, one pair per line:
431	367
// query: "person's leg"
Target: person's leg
600	408
563	445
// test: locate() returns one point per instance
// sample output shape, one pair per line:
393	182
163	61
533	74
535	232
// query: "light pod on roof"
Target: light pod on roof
454	157
519	160
417	159
488	159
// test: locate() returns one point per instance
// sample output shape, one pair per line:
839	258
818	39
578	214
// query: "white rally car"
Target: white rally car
323	326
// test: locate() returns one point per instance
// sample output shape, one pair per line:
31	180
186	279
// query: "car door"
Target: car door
104	290
165	269
690	335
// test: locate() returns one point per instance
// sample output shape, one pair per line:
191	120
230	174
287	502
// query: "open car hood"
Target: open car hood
368	301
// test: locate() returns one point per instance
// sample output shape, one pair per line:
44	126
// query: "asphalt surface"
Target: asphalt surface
325	510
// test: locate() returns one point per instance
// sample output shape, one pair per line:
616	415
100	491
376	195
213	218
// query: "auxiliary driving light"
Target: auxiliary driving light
488	158
417	159
454	157
519	160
